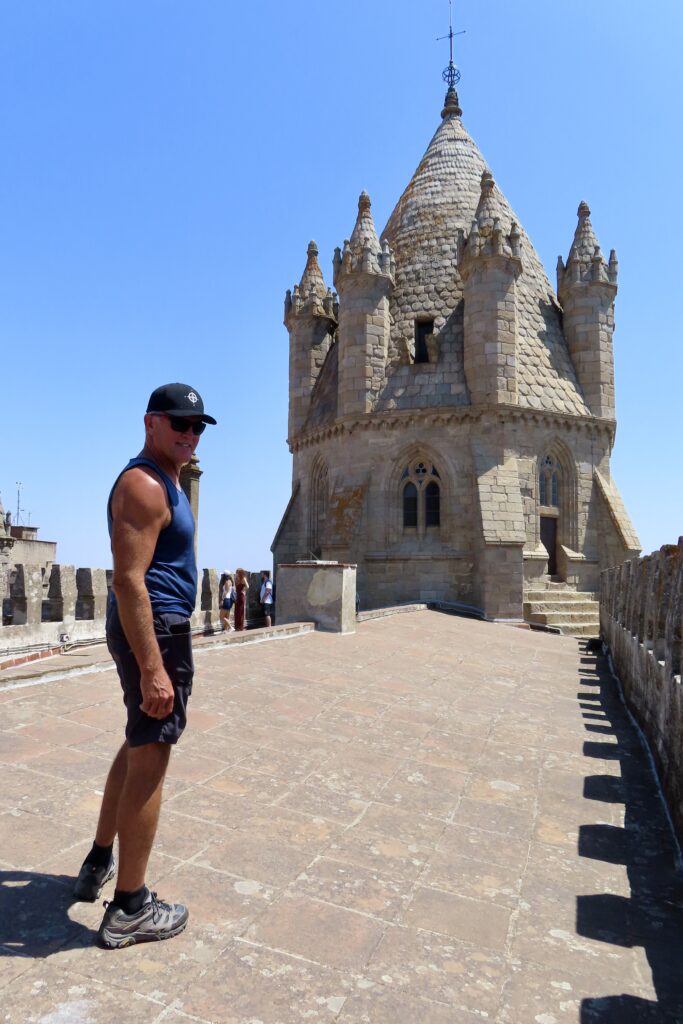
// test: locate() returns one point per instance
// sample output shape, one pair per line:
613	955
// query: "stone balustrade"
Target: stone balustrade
641	619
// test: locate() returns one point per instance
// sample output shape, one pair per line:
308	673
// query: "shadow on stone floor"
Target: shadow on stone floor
34	915
652	917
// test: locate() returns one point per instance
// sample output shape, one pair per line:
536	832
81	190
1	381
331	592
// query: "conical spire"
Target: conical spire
585	243
312	277
364	235
585	260
437	207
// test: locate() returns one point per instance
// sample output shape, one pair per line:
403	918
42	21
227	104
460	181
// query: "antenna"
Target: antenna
451	73
18	483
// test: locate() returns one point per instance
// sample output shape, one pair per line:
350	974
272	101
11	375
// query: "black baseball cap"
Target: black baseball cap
178	400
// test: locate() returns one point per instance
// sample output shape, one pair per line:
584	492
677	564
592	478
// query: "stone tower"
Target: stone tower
451	417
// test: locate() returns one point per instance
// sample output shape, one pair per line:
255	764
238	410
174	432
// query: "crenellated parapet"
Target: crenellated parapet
489	262
364	278
586	289
311	313
44	611
641	620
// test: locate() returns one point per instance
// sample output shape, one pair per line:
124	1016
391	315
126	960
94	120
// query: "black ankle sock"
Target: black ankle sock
100	855
130	902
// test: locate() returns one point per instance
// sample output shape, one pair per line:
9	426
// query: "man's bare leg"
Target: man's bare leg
138	811
99	865
136	914
106	825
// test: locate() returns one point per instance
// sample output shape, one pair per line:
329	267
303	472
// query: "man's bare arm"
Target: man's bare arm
140	511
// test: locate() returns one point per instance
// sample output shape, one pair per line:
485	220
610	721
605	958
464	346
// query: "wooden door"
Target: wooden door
549	541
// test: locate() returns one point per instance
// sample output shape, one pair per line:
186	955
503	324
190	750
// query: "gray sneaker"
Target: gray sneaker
92	879
155	920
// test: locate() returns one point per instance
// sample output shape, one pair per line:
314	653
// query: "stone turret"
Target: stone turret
363	276
586	288
311	312
450	451
489	262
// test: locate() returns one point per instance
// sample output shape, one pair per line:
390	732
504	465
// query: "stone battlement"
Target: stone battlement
641	618
43	610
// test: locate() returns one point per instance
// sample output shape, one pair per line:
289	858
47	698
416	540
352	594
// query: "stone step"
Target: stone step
568	629
583	630
573	612
563	605
558	618
559	595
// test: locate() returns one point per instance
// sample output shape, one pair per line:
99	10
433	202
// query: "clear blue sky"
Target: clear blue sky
165	163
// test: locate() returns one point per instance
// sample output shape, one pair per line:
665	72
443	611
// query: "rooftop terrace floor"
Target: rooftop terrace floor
434	820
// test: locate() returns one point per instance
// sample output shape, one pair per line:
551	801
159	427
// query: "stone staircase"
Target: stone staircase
572	612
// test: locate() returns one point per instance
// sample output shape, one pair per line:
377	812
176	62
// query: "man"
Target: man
154	589
266	597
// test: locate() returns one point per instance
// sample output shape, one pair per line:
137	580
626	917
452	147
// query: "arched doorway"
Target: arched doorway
549	486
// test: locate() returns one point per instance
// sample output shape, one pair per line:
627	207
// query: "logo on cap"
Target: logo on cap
193	398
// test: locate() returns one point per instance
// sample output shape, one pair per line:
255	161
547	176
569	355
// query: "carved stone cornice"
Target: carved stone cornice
396	419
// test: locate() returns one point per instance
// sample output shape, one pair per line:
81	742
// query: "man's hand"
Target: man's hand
157	694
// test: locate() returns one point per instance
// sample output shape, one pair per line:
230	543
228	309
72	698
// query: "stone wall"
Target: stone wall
40	607
488	475
641	619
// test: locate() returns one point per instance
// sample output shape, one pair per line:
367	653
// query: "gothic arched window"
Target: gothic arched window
548	486
432	505
409	505
420	496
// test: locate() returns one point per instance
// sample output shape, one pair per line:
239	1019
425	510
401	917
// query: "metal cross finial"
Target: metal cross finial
451	73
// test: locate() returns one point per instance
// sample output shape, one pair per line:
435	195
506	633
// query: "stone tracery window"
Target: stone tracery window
420	496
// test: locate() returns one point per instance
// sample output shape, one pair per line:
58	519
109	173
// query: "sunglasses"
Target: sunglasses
181	425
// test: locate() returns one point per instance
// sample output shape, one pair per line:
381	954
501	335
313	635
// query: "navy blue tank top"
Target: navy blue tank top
172	575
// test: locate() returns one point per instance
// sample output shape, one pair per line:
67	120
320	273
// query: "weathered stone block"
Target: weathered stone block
324	592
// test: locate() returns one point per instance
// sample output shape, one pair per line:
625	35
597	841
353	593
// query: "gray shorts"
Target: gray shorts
175	642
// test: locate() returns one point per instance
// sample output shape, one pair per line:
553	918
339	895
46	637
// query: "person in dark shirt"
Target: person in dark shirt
154	590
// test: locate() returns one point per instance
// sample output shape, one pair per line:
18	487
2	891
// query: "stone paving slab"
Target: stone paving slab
433	820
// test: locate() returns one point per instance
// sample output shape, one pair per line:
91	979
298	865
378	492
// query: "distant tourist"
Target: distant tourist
226	597
241	588
266	597
154	591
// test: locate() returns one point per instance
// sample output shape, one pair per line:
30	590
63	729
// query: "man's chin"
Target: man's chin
183	459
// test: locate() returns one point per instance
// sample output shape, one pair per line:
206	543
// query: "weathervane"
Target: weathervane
451	73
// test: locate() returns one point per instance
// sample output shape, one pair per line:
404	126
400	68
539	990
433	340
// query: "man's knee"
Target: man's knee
149	761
